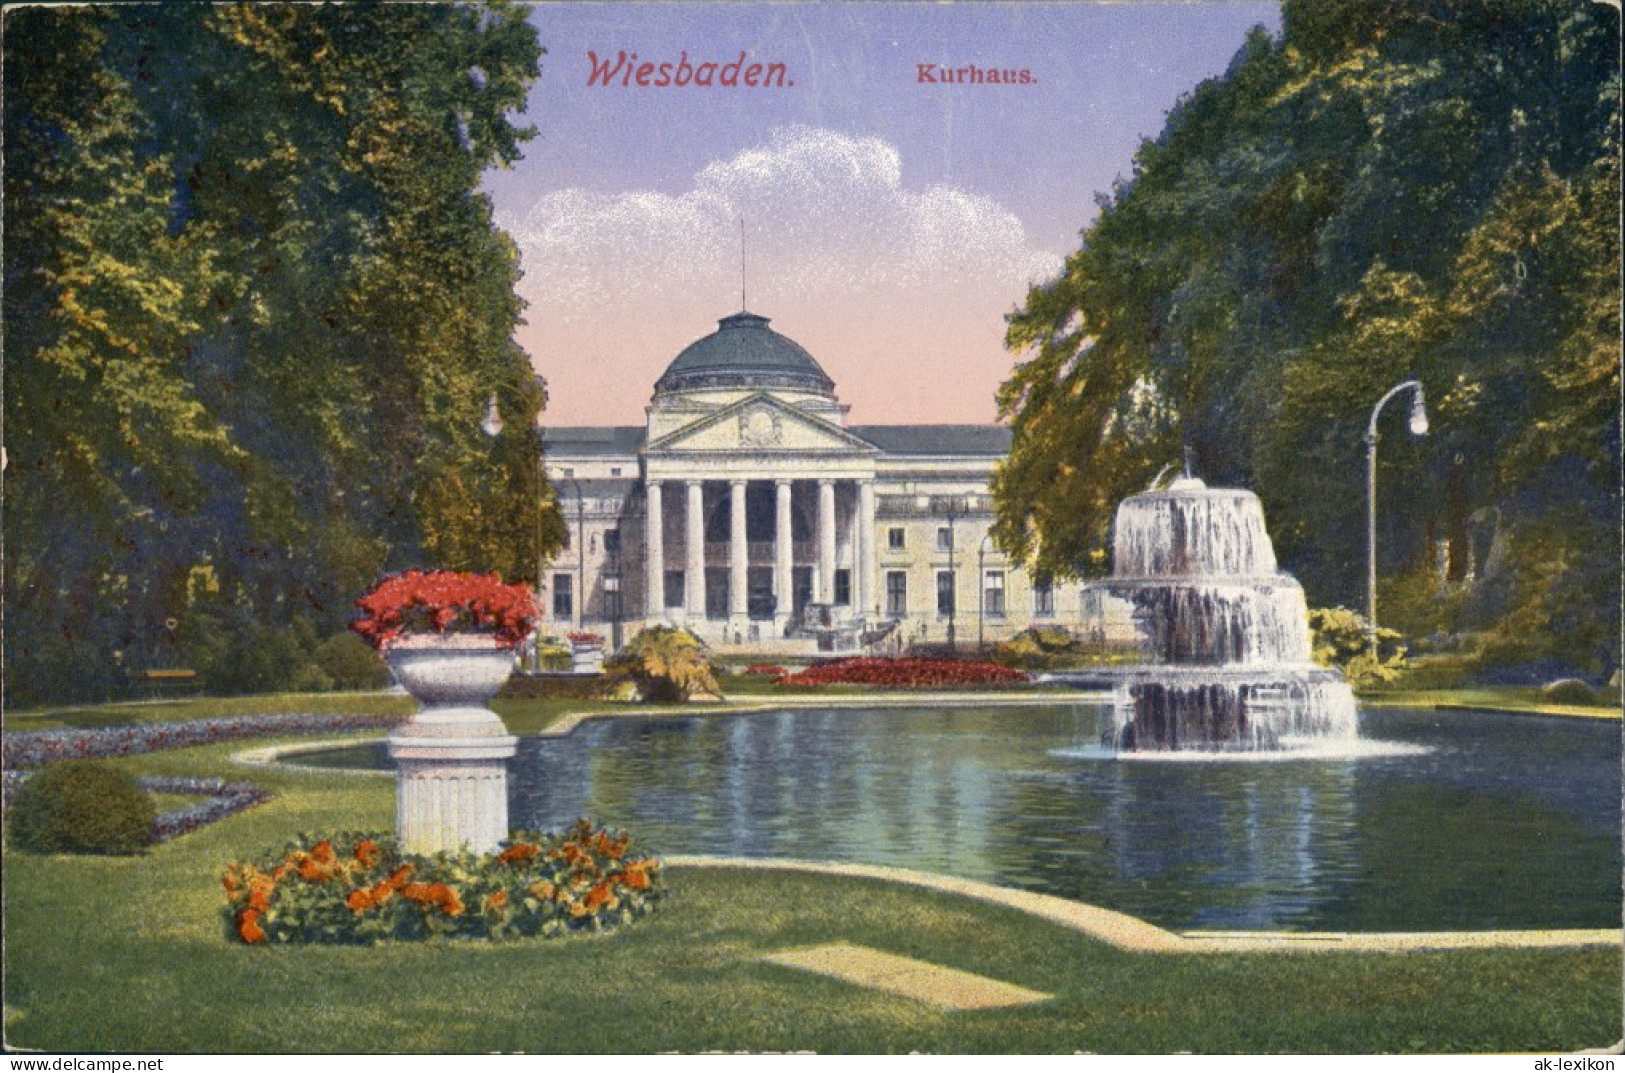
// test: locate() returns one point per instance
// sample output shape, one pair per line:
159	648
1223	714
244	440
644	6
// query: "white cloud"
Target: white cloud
823	210
899	292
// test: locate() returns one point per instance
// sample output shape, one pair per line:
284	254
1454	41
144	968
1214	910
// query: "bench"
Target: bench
158	682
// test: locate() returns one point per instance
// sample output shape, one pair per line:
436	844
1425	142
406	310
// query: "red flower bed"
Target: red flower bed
766	670
906	674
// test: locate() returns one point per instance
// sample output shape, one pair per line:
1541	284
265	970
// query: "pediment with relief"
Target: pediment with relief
760	423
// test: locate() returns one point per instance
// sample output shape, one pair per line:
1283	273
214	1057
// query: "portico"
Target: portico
745	554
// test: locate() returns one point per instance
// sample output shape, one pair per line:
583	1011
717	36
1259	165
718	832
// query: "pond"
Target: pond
1488	821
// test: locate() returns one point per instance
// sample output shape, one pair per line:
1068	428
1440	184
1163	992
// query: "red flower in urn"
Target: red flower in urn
445	602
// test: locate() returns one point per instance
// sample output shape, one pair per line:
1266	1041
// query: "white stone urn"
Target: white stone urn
451	757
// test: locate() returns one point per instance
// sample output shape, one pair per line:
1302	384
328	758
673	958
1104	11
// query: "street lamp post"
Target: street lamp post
1418	427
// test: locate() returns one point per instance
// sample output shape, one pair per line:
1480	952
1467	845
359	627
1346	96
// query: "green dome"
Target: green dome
744	353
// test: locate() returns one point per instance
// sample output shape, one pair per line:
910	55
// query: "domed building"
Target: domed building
747	510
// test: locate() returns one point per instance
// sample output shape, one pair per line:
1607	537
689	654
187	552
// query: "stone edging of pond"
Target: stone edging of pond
1133	934
280	757
274	757
567	723
1544	712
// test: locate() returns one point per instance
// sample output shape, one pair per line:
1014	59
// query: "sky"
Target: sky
890	223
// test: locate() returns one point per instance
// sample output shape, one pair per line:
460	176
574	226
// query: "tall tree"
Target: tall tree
254	307
1384	190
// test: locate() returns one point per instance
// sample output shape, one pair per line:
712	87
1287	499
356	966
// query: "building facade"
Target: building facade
747	510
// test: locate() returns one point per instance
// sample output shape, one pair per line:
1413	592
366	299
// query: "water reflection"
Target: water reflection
1501	822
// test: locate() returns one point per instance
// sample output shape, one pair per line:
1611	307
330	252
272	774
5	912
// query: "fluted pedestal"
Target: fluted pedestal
452	756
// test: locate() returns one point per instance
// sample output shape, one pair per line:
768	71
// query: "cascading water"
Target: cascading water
1223	633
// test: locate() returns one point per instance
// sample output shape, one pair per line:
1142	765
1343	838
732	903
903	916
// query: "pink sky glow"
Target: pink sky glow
890	224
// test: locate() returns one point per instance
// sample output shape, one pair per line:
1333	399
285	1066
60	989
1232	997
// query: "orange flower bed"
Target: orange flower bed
344	890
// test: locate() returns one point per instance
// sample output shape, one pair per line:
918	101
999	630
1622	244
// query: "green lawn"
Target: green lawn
1497	698
130	955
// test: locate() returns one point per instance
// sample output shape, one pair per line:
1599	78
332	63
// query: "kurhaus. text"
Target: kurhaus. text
935	74
626	70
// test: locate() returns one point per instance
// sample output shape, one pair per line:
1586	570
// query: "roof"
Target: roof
744	352
599	487
896	440
936	439
613	440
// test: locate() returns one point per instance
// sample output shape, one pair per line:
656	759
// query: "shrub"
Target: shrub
262	659
668	665
1569	691
1040	648
351	663
356	889
1339	638
1451	671
82	808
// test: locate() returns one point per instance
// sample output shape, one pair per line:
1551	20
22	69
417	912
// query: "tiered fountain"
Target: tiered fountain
1223	633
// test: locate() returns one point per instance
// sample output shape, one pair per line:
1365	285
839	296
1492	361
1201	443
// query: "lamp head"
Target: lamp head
492	425
1419	414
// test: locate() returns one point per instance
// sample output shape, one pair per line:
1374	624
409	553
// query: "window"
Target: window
1043	598
563	596
843	587
612	596
896	593
615	471
894	539
945	538
993	593
945	592
674	588
566	544
612	541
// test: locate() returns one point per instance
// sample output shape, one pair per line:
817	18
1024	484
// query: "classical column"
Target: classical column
863	582
738	559
826	542
654	555
854	601
694	544
783	560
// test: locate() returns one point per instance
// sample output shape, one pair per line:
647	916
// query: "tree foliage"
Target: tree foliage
1383	190
254	308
